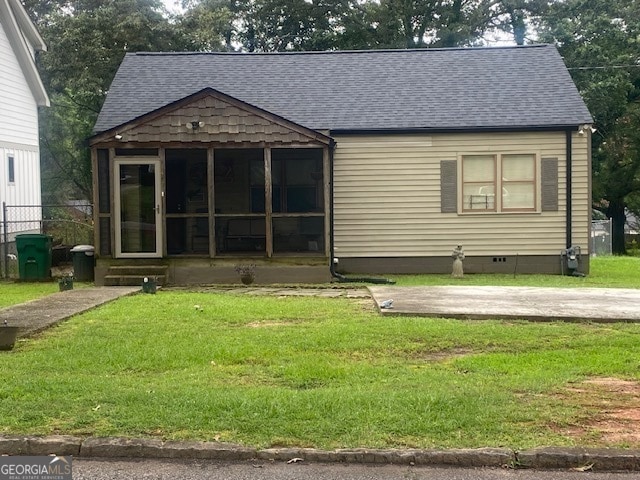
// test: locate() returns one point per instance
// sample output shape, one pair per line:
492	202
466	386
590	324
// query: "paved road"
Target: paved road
132	469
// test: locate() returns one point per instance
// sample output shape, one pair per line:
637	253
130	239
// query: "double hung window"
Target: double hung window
499	183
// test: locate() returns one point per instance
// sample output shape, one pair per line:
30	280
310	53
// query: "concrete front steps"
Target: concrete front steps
133	275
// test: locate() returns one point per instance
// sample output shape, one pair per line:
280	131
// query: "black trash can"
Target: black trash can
34	256
83	262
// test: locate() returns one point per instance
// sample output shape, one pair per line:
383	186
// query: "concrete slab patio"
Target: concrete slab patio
605	305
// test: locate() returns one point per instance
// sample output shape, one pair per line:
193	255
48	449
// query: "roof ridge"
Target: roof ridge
341	52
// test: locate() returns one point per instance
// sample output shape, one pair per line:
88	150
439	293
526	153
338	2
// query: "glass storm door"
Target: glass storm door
138	200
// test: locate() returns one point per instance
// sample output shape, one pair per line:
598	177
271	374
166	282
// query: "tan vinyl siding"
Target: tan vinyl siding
387	197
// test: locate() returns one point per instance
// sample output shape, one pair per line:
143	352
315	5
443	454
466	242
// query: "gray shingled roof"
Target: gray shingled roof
512	87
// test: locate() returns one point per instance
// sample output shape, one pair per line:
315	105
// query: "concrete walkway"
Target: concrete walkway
37	315
604	305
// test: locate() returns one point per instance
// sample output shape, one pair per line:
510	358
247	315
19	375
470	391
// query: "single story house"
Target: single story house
325	163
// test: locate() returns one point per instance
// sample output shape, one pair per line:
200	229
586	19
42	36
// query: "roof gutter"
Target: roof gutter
434	130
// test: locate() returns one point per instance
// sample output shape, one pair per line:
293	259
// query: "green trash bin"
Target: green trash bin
34	256
83	262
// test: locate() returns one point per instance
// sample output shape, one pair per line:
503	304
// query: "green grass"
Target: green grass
309	372
609	271
14	293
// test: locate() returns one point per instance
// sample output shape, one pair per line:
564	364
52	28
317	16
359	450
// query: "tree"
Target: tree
209	25
599	42
289	25
516	18
87	40
418	23
298	25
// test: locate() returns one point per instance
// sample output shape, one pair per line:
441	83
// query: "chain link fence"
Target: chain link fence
68	225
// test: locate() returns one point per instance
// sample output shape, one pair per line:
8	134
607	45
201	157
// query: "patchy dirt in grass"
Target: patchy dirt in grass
614	407
366	304
285	322
444	355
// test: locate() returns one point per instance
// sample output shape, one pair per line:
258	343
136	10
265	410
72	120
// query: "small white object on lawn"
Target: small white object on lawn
386	303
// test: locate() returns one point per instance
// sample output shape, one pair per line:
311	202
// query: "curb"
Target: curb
603	459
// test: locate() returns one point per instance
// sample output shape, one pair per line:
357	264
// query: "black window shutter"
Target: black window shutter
448	186
549	176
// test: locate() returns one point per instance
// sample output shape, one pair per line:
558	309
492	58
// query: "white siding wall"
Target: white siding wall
18	132
25	190
387	198
18	109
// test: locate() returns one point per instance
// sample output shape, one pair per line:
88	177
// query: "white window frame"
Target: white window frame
159	194
498	206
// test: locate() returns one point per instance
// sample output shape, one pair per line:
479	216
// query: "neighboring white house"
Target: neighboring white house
21	93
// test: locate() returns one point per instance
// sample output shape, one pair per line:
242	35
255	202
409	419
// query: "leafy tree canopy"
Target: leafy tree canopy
600	40
87	40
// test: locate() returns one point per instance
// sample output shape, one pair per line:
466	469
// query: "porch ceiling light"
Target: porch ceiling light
118	137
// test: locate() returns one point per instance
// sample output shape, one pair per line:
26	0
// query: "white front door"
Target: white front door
138	203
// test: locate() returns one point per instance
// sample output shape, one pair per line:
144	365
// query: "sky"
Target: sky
173	6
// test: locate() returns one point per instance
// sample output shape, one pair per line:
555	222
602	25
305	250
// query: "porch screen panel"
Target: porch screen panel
298	200
298	234
105	236
239	198
297	181
239	181
104	194
187	201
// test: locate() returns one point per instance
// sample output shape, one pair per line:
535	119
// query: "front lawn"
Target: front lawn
12	293
608	271
311	372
